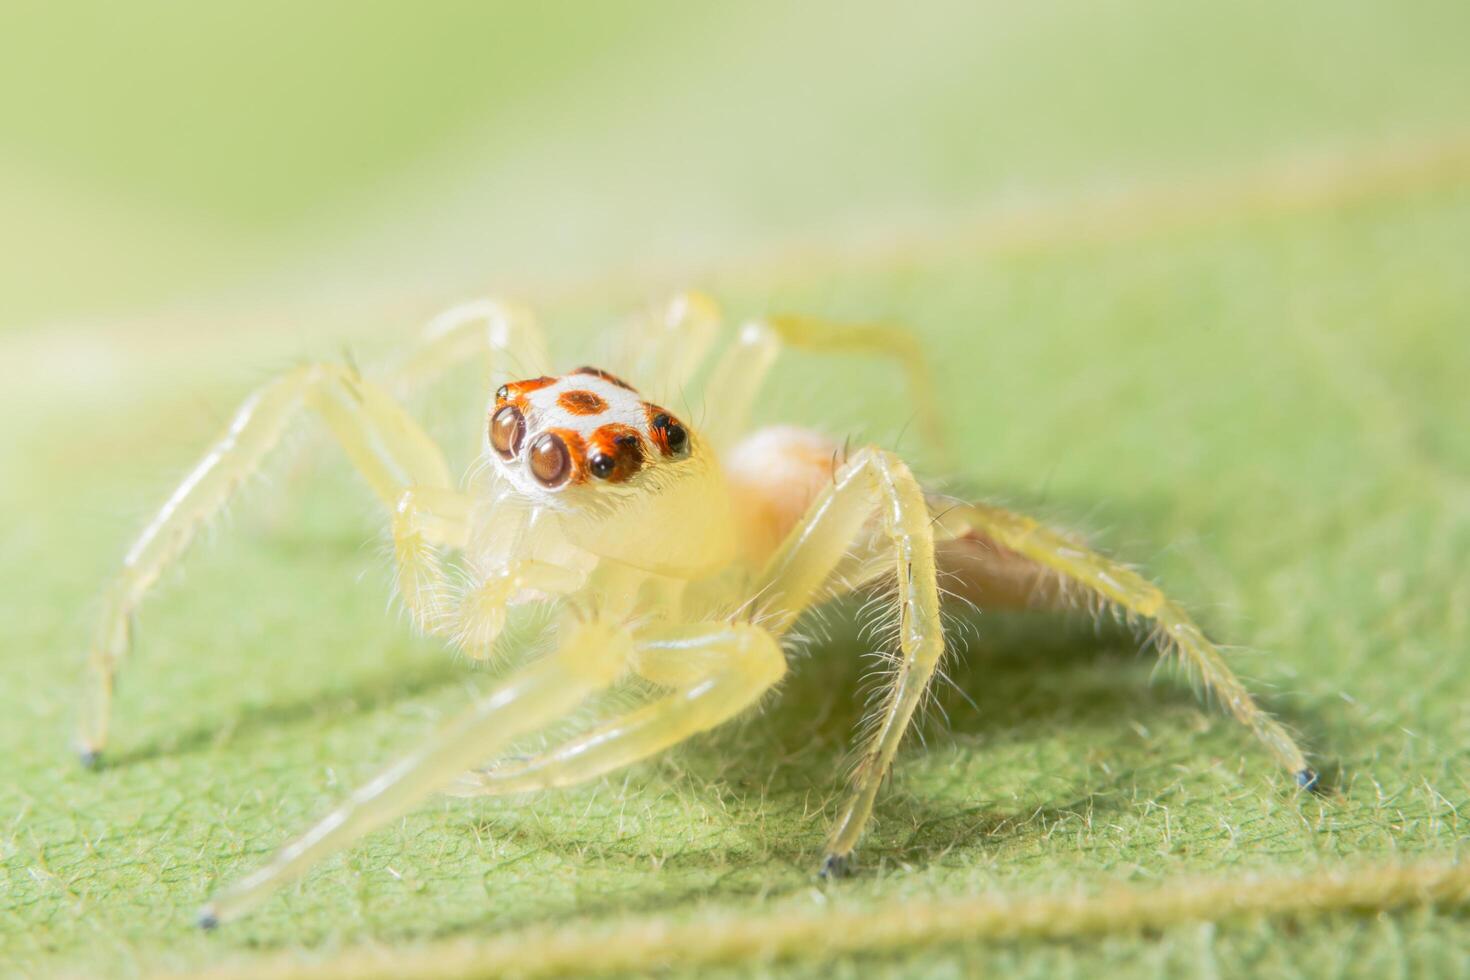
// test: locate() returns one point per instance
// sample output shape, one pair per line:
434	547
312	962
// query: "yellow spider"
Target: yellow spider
681	557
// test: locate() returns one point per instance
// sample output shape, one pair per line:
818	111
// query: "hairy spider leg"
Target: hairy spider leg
736	379
481	614
504	334
426	520
387	447
390	450
798	576
590	657
976	569
716	671
1117	584
661	351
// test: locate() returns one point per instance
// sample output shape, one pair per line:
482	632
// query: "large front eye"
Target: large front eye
550	462
507	431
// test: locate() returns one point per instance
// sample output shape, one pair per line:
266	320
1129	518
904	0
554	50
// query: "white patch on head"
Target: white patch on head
624	407
543	411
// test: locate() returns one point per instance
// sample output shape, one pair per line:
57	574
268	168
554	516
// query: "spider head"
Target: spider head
584	431
627	478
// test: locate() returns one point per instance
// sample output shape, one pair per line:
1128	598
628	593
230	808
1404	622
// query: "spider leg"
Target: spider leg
737	377
716	671
481	614
588	659
664	349
972	568
799	575
1074	565
387	447
484	327
426	520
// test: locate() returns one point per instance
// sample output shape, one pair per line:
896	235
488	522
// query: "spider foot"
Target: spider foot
207	920
90	758
1307	779
835	866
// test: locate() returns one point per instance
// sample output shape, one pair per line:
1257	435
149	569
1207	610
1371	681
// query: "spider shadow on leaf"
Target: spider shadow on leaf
783	767
360	693
1012	680
1041	715
1063	701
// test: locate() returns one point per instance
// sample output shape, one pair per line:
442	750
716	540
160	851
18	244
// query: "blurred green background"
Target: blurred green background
1195	279
160	153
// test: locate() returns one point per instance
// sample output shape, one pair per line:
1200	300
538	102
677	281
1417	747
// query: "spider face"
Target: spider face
585	429
625	478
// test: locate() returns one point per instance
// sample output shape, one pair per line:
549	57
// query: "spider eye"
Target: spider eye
676	436
601	465
551	464
502	393
507	431
669	435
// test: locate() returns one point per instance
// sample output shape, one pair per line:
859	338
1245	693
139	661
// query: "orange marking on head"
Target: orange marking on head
607	376
515	392
622	445
581	402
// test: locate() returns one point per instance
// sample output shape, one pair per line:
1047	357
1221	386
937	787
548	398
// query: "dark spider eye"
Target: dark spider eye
550	462
601	465
670	433
502	393
676	436
507	431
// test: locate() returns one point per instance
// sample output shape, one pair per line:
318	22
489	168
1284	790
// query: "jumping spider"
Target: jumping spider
681	557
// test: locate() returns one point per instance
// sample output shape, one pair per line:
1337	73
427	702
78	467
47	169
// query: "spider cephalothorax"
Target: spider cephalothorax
653	563
624	478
